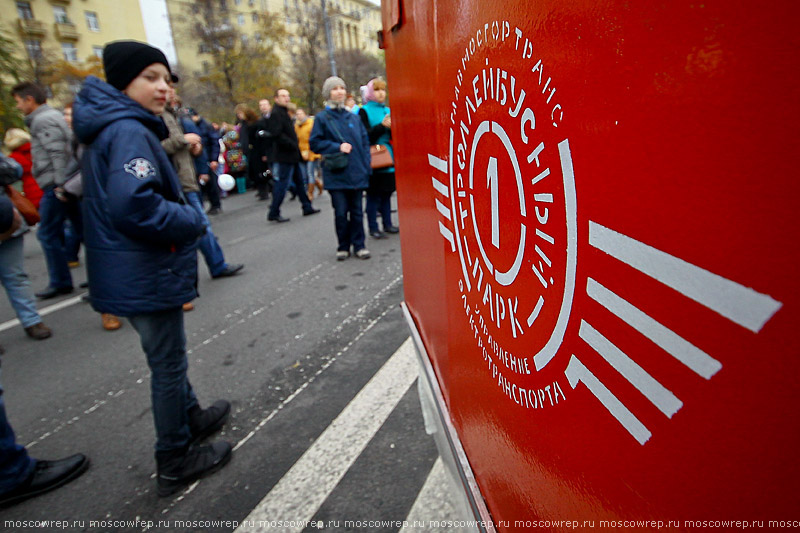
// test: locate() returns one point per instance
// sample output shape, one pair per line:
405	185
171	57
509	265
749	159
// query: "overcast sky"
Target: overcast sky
157	29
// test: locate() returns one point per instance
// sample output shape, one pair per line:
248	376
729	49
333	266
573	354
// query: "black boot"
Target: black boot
47	475
205	422
178	468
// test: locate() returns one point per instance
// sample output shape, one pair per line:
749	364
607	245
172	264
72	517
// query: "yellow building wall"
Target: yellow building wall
117	19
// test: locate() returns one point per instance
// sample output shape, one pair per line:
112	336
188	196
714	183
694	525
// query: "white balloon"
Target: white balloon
226	182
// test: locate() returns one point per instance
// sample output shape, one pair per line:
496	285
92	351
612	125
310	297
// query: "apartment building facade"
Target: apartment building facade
354	25
72	30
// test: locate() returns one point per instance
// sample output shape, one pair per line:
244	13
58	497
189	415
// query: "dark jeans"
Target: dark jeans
284	173
349	218
380	202
208	245
72	241
51	235
211	190
164	342
15	464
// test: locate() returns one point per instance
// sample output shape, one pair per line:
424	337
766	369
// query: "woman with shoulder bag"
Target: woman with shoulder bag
378	122
341	139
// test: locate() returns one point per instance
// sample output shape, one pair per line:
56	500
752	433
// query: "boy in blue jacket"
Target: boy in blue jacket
141	241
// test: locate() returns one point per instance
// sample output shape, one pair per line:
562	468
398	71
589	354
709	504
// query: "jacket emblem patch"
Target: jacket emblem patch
141	168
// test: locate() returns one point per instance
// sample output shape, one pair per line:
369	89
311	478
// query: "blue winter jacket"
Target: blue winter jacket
140	235
326	140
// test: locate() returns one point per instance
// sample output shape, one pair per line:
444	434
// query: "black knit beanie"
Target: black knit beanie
124	60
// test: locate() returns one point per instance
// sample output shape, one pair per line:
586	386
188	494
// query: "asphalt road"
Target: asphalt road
293	342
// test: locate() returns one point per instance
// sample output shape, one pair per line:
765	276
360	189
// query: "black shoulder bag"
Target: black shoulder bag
337	161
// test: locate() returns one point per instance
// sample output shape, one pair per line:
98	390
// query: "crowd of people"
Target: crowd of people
125	171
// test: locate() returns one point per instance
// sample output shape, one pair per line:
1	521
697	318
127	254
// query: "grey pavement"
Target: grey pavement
299	343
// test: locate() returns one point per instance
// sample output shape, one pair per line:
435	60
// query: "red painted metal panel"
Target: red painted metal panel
599	248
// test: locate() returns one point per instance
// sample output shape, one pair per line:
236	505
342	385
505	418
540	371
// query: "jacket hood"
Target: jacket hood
99	104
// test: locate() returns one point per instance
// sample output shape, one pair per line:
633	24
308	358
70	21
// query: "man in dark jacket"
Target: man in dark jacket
210	139
262	154
287	158
185	148
141	247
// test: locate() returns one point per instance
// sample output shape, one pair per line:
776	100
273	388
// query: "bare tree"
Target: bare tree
309	58
357	67
242	66
310	62
13	68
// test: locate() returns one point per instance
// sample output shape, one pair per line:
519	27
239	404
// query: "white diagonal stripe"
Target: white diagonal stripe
437	163
441	188
435	509
44	312
675	345
660	396
740	304
301	491
577	372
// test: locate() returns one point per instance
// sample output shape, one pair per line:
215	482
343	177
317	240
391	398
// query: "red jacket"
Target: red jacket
30	188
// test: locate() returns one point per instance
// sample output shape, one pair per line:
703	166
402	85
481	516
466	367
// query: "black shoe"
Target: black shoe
205	422
392	229
311	211
229	271
377	234
84	285
278	219
178	468
47	475
214	211
52	292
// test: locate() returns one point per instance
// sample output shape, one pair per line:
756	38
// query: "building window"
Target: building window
251	3
70	52
223	5
203	49
244	40
34	49
237	2
205	67
240	20
91	21
98	51
255	16
60	13
24	10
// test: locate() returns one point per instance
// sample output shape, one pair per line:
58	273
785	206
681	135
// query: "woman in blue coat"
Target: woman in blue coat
337	131
141	239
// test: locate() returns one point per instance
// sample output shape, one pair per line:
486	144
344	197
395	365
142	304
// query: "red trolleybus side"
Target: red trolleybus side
598	202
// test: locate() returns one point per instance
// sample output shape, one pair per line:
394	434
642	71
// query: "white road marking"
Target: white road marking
299	493
45	311
435	509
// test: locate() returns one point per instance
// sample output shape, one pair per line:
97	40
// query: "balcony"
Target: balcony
32	27
66	31
60	2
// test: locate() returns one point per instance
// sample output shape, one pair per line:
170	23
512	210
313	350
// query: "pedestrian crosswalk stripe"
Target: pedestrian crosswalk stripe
44	312
301	491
